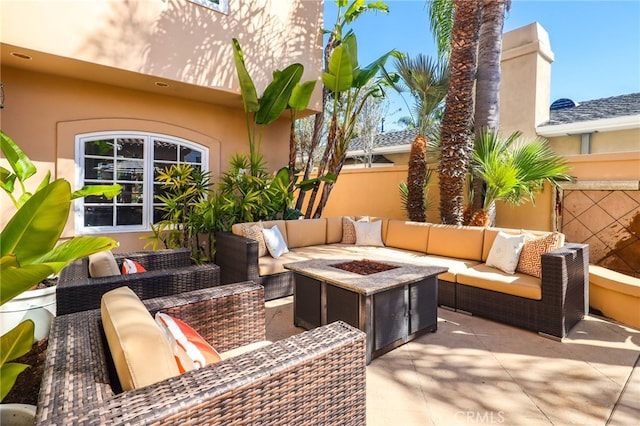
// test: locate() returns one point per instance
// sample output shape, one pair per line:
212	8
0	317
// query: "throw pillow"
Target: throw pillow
348	230
254	231
505	252
275	242
369	233
189	348
103	264
530	262
130	266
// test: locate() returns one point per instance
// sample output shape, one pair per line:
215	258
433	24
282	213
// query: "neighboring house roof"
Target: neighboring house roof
605	114
385	143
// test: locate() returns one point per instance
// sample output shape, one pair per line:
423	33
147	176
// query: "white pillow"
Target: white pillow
369	233
505	252
275	242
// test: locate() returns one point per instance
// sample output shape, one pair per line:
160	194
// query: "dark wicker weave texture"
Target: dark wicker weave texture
238	260
565	295
317	377
168	272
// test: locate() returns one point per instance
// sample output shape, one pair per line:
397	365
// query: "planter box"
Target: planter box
38	305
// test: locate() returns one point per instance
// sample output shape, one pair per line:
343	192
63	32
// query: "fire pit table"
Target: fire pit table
392	307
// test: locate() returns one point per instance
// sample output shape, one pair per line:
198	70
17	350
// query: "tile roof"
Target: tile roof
401	137
596	109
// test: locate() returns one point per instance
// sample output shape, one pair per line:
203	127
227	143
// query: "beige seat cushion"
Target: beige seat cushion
455	265
464	242
103	264
140	350
308	232
483	276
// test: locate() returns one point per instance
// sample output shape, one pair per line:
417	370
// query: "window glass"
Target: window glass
132	161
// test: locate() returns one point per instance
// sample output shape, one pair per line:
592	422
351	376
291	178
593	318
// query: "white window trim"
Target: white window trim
147	184
222	6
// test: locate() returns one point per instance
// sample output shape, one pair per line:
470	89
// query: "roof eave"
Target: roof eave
603	125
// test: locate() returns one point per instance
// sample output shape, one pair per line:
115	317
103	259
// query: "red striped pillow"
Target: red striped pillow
189	348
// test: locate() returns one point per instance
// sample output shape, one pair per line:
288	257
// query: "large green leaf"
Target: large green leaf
340	75
73	249
15	343
20	163
108	191
17	279
370	71
301	95
37	225
276	96
247	88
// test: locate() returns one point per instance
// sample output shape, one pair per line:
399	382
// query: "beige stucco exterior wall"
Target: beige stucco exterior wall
601	142
96	69
525	87
176	40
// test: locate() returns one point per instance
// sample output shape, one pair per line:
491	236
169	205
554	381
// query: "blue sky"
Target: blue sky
596	43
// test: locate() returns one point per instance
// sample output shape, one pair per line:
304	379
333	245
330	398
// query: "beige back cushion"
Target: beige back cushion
140	351
237	228
103	264
408	235
334	229
281	226
306	232
490	236
464	242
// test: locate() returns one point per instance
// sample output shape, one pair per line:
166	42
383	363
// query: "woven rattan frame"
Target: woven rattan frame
238	260
168	272
317	377
565	296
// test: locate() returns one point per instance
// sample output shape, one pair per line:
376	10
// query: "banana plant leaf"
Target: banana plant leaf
301	95
17	159
14	344
340	74
38	224
276	96
247	88
108	191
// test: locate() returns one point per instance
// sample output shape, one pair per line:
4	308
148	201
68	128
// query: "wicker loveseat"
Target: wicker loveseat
317	377
168	272
551	304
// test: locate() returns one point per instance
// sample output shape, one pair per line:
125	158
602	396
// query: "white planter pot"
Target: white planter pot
17	414
37	305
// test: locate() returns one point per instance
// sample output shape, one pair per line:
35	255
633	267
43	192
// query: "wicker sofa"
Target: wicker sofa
317	377
168	272
550	305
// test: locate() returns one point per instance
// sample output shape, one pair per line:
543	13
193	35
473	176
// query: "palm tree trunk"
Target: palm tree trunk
487	109
456	123
416	179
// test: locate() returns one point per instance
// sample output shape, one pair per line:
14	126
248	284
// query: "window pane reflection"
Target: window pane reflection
102	147
131	148
98	216
129	215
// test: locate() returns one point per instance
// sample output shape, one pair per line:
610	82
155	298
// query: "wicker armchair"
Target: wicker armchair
168	272
317	377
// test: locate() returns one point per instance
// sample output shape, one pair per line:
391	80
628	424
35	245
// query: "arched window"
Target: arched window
131	159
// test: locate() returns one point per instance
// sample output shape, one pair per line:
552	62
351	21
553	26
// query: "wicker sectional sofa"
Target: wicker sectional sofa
550	305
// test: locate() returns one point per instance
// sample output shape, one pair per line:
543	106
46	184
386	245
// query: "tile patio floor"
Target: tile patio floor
475	371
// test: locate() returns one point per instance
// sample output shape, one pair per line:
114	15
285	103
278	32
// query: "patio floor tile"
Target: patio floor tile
476	371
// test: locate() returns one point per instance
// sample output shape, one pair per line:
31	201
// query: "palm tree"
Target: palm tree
427	81
513	170
487	102
458	113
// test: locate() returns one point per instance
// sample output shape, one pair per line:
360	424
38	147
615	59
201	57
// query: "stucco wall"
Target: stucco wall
172	39
43	113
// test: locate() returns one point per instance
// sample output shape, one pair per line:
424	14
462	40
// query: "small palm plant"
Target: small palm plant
513	171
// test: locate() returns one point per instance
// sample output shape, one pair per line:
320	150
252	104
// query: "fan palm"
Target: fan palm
513	171
427	81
